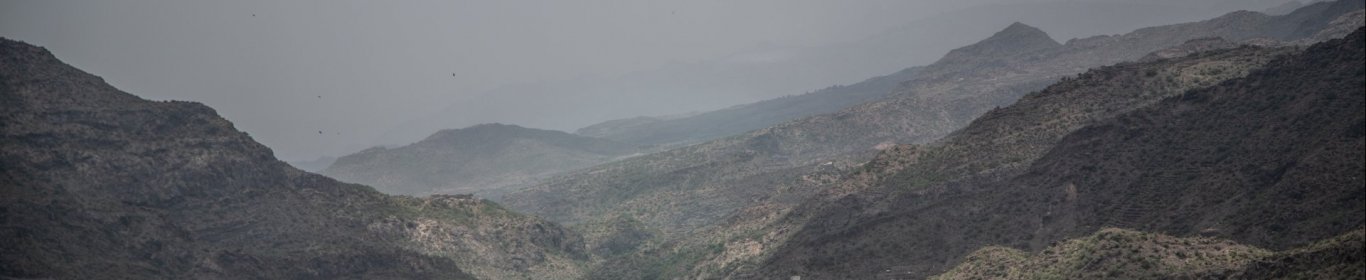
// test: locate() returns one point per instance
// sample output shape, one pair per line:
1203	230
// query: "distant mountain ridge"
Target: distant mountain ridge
665	133
1017	38
768	72
483	159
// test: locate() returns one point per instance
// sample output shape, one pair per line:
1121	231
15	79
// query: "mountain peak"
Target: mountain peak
17	47
1018	38
1022	35
1020	27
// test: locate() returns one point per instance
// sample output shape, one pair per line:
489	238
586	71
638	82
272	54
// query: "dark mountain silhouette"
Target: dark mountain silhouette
487	159
1013	42
98	183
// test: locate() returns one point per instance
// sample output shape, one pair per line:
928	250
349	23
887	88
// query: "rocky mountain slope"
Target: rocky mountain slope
485	159
681	190
1271	160
99	183
1117	253
734	245
1001	141
1338	28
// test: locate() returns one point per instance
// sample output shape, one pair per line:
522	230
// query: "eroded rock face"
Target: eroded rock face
98	182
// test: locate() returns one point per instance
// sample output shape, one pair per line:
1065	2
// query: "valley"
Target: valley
1231	147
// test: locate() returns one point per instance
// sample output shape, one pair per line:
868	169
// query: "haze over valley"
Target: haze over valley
880	139
368	74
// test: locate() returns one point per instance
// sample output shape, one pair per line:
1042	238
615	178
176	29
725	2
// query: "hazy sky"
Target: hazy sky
285	70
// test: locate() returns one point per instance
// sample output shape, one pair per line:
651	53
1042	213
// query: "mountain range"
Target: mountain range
701	186
1226	148
768	71
740	118
1269	159
663	133
684	189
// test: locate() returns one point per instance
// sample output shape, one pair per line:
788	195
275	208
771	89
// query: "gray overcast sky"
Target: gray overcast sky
353	68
